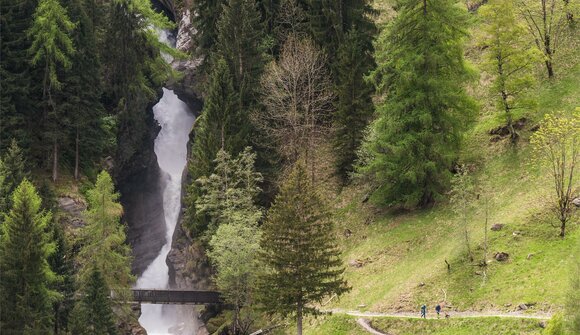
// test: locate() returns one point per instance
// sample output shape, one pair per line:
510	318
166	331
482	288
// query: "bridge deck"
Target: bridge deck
180	297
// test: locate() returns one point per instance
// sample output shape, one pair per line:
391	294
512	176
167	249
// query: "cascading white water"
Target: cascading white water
176	121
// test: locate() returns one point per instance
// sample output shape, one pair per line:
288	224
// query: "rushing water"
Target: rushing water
176	121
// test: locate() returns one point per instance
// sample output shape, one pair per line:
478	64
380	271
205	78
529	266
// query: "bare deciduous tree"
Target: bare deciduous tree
297	100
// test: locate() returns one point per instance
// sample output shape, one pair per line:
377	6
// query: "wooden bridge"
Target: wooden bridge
173	297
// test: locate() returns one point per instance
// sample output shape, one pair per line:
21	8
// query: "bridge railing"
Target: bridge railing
173	296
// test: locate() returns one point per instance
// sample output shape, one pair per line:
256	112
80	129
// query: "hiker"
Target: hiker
438	310
424	311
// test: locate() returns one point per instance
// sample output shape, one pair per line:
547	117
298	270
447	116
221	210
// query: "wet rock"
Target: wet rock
501	256
497	227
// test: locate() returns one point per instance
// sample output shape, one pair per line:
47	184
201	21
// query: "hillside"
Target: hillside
397	261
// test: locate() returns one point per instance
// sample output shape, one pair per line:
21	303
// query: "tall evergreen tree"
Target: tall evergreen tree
220	126
205	18
354	105
25	246
103	238
17	96
416	137
82	88
299	251
51	50
93	314
239	43
13	170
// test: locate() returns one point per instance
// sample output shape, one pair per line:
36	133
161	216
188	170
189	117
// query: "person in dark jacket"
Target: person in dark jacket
424	311
438	310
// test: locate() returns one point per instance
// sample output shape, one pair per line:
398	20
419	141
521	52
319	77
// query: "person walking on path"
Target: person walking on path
438	310
424	311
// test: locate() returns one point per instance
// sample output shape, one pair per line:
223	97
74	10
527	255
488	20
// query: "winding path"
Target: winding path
365	324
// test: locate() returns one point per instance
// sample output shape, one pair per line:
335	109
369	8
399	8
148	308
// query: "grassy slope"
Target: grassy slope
400	251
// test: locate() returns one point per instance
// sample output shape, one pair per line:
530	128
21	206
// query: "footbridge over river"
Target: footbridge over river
170	297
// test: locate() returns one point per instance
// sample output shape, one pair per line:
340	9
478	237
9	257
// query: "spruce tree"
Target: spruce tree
205	18
13	170
301	257
421	71
103	238
239	43
18	97
93	314
51	50
354	105
220	126
82	88
25	246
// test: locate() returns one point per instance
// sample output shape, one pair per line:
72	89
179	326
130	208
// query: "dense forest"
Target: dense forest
315	115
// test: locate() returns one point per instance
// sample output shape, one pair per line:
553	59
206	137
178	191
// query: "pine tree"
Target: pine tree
421	71
299	251
17	89
51	50
103	238
220	126
239	43
13	170
93	314
82	88
25	297
354	105
510	58
205	18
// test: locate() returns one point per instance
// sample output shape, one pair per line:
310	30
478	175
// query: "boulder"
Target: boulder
497	227
501	256
522	307
347	233
576	202
542	324
355	263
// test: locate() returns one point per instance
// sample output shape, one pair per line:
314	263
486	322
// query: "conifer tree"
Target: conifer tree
51	50
82	88
510	58
17	88
220	126
13	170
25	298
93	314
205	18
354	105
421	71
239	43
103	238
299	251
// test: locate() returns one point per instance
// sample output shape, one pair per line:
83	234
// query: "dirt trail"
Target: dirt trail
466	314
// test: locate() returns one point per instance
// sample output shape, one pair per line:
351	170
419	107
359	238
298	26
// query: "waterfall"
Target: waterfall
176	121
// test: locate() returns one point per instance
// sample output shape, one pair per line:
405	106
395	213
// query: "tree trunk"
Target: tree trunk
563	229
299	319
77	155
55	161
550	68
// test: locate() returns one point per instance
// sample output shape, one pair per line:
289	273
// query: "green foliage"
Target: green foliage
239	43
573	303
207	13
12	172
510	58
555	325
220	126
421	72
51	42
103	238
299	251
229	193
556	147
354	106
25	246
93	314
463	198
